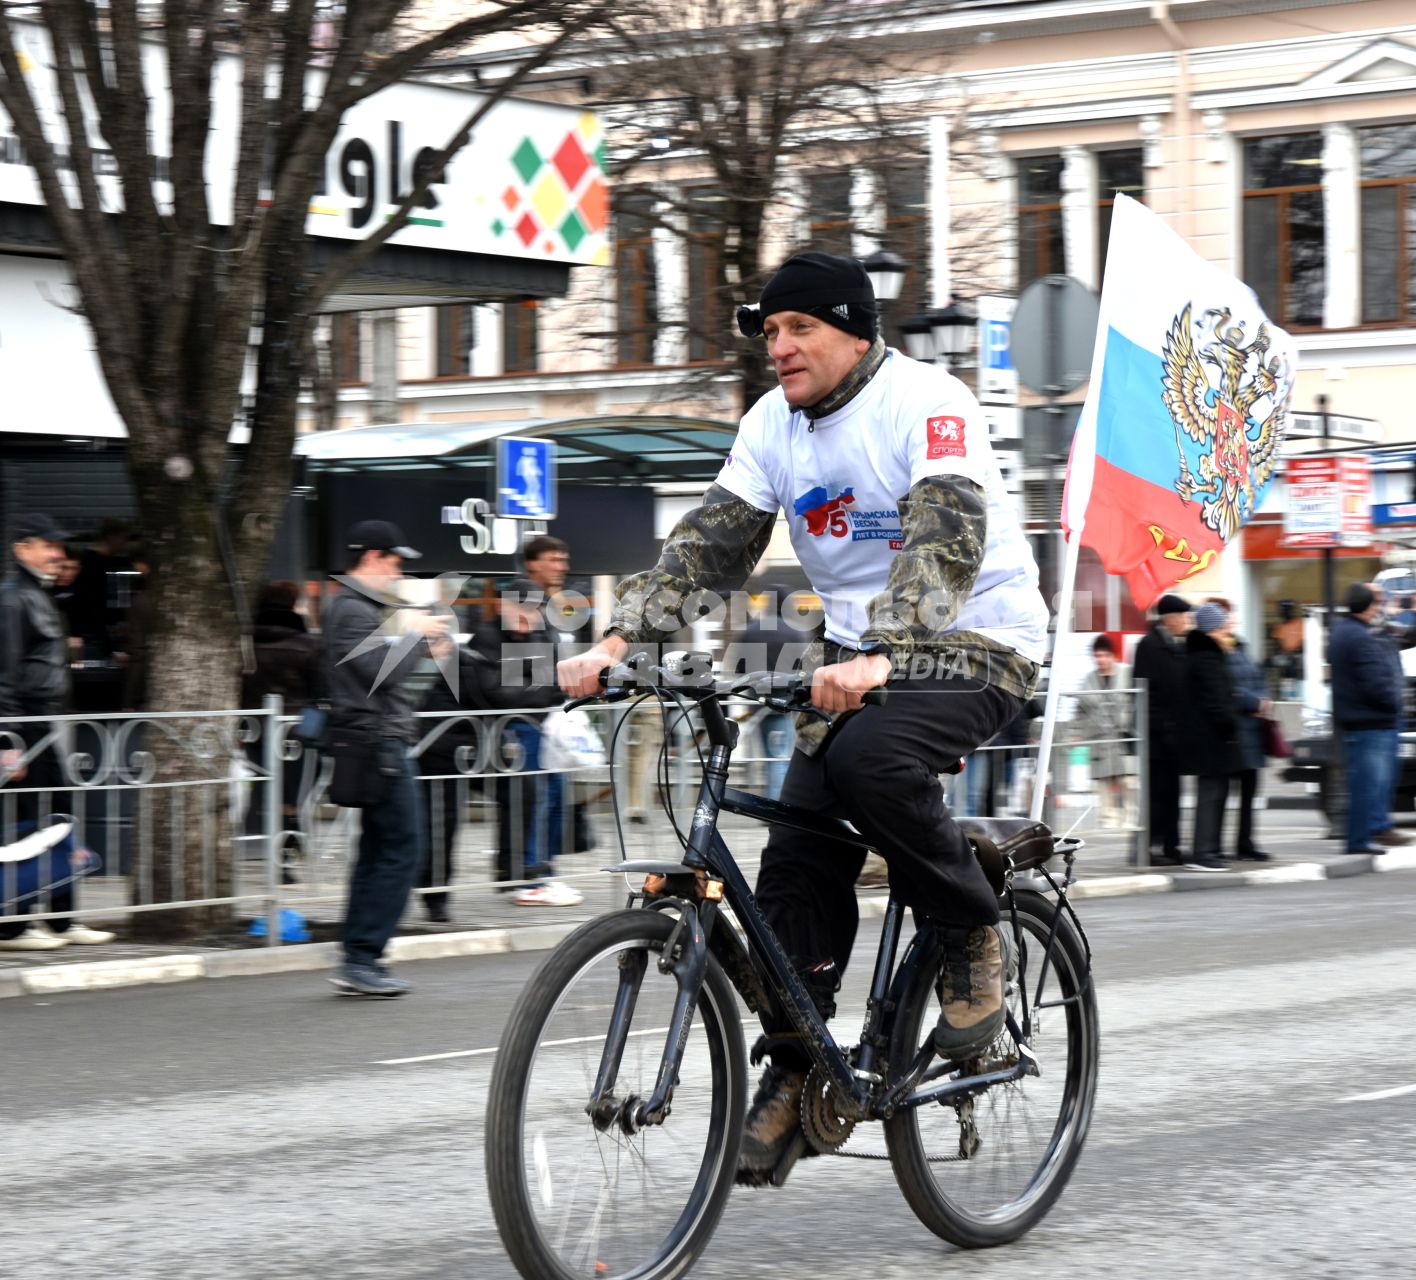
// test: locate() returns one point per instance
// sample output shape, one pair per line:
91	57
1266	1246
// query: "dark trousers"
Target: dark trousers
1248	780
1369	759
880	769
390	849
1164	803
1210	798
45	773
442	815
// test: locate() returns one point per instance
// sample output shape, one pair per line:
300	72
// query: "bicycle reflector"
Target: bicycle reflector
749	320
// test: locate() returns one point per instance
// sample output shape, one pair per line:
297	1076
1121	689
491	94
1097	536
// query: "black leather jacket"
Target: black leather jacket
385	711
34	648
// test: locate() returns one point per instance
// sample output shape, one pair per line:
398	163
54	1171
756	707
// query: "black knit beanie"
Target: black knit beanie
836	290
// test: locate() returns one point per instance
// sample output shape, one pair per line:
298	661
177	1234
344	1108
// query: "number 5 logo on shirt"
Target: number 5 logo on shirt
946	438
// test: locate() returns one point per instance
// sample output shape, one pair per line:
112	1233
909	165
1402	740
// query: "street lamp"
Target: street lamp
953	326
939	337
887	274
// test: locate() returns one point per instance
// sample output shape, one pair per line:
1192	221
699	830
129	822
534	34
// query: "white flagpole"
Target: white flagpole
1054	685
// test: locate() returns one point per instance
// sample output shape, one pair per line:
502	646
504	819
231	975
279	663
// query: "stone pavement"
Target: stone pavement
487	921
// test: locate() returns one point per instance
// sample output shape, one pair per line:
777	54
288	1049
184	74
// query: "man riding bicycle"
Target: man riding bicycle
898	514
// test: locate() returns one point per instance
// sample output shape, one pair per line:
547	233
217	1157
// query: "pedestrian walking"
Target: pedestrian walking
1104	723
34	681
1367	686
1160	662
1253	705
1211	738
372	646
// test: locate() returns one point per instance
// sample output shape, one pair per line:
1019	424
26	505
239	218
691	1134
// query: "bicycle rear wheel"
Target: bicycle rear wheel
575	1201
983	1172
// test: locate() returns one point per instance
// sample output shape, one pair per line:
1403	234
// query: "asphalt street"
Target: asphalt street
263	1128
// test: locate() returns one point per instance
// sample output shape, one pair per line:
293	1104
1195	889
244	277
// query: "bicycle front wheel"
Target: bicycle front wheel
983	1171
575	1200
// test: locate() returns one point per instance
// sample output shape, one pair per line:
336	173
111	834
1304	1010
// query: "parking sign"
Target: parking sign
526	478
997	378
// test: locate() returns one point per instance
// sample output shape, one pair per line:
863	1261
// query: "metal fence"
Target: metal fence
256	833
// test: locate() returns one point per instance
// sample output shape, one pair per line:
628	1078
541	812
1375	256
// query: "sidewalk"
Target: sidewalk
487	922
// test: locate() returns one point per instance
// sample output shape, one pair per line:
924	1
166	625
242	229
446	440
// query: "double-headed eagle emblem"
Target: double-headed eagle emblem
1233	397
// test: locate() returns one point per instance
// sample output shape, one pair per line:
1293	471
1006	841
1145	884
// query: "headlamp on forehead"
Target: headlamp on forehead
749	320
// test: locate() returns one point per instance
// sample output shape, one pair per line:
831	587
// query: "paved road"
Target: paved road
247	1128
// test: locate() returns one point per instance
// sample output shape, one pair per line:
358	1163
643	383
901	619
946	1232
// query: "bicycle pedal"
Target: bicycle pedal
790	1156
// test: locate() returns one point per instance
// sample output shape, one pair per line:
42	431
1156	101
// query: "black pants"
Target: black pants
45	773
880	769
1211	796
1248	780
442	815
390	848
1164	803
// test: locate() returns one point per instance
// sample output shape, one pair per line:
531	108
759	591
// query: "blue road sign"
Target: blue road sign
526	478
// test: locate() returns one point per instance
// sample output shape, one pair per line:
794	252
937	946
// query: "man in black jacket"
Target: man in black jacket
1366	701
371	653
1160	661
34	681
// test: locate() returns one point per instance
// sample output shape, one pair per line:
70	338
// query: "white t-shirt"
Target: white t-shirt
839	480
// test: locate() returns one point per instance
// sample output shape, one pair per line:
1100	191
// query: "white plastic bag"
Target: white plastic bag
569	740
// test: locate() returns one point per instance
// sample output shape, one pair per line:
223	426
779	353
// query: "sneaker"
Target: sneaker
368	980
971	991
1391	837
35	938
553	893
773	1121
1254	855
1207	862
80	935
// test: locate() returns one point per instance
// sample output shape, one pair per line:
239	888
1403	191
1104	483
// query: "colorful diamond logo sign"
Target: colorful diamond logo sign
561	200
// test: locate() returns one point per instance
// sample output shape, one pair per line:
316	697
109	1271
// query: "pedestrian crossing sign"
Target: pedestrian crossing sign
526	478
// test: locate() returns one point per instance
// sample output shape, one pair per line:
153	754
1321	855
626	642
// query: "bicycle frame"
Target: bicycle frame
859	1088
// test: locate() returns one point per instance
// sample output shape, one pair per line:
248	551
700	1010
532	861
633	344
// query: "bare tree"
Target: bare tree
718	107
183	307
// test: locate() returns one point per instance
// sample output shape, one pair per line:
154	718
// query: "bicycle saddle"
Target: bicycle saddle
995	841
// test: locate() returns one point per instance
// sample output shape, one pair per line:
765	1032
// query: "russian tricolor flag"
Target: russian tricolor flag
1179	438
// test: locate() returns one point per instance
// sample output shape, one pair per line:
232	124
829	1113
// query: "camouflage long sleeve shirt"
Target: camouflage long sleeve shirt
943	524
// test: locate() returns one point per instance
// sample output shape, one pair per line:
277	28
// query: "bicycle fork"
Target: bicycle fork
685	956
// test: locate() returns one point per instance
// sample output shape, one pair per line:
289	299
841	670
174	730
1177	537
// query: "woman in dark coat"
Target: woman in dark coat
1251	701
1212	747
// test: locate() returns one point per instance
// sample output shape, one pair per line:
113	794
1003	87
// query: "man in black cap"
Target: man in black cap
900	518
34	681
371	651
1160	662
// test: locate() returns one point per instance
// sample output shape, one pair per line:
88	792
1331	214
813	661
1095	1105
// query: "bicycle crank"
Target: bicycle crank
825	1128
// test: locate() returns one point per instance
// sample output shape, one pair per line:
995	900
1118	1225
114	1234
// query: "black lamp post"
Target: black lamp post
939	337
887	274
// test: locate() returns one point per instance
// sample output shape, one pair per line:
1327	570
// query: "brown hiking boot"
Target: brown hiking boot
970	991
773	1121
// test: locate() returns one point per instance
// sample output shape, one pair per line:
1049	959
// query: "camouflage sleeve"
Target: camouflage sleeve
944	522
713	548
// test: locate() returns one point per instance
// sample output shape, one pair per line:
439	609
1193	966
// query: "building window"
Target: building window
707	315
346	348
457	335
637	275
1041	248
829	211
1116	171
1284	258
519	335
907	233
1388	224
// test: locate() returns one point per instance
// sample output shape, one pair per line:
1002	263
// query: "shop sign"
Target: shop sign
1328	502
1394	513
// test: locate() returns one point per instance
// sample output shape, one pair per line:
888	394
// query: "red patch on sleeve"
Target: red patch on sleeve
946	438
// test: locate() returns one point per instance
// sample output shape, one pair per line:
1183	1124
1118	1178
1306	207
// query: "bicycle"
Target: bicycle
617	1098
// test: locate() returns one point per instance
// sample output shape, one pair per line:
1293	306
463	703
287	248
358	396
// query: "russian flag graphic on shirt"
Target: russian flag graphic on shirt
818	508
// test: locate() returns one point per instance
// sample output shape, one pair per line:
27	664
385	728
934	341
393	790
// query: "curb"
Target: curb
99	975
